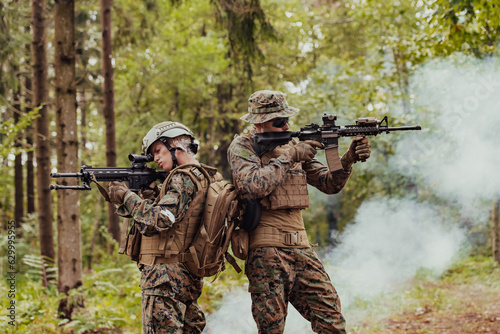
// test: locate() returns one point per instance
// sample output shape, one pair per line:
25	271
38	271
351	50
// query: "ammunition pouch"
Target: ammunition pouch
130	241
291	194
240	243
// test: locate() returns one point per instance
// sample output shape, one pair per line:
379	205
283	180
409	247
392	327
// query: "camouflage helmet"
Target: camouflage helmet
264	105
166	129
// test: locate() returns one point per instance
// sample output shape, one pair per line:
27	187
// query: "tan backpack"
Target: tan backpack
208	252
209	249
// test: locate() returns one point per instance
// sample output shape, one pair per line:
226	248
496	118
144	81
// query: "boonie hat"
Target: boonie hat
264	105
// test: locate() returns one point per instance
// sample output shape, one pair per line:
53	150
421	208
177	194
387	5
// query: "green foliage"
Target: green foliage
474	269
10	131
172	74
36	308
246	24
40	268
112	298
471	26
14	38
110	293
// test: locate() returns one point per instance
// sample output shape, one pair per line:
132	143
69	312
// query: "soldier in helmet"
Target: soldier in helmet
281	266
167	223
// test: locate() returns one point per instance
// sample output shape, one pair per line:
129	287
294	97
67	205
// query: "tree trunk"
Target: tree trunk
95	231
83	125
403	79
30	176
109	107
68	207
42	135
18	163
496	231
225	93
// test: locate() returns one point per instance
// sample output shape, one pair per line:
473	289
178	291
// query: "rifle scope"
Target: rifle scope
139	158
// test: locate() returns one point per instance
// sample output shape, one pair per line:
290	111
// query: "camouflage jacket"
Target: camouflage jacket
254	180
152	219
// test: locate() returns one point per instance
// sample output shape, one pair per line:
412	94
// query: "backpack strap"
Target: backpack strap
194	169
169	246
232	261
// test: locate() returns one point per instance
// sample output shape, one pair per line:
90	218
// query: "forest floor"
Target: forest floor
469	305
479	312
464	299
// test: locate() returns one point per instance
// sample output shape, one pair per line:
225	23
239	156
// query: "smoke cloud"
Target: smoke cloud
390	241
455	156
458	154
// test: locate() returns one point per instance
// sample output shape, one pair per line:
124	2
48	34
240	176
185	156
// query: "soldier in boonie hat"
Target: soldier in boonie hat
274	182
264	105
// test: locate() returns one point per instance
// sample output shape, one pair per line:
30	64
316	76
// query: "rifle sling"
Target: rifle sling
103	191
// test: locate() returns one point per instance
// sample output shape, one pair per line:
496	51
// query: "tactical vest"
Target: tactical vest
281	209
292	192
171	246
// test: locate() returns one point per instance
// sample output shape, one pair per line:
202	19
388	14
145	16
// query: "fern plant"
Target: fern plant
41	268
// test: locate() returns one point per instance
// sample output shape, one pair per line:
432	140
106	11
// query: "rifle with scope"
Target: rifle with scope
327	134
137	176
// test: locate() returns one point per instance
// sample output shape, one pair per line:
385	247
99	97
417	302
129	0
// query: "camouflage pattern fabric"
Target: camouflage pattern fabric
281	275
169	300
169	291
256	181
151	219
265	105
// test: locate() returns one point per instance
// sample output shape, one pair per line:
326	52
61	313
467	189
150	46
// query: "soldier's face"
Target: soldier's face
162	156
270	127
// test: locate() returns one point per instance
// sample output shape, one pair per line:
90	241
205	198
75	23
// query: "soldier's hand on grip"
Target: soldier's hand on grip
362	148
304	151
359	150
117	192
151	192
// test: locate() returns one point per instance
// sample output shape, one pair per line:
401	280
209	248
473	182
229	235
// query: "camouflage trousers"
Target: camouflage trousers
296	275
169	300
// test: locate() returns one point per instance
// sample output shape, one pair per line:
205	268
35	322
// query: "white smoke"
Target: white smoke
456	156
390	241
235	316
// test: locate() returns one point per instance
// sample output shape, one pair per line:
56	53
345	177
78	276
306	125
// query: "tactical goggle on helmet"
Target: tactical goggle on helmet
168	129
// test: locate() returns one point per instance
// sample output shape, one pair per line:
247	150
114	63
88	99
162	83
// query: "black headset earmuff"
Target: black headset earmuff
193	146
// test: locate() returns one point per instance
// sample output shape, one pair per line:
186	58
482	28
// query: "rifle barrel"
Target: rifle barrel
402	128
55	175
56	187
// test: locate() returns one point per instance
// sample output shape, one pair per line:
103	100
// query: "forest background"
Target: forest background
82	82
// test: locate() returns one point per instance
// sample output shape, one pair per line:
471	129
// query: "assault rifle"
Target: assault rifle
137	175
327	134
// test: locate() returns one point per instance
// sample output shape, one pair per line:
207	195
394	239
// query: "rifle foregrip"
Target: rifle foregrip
333	159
